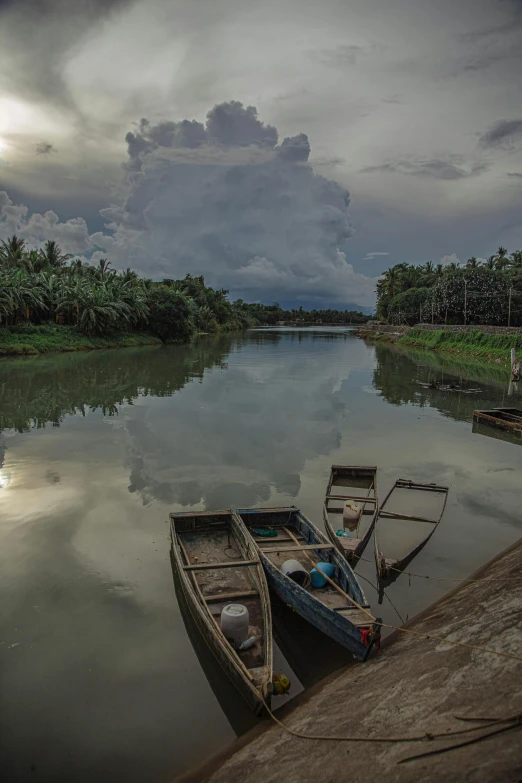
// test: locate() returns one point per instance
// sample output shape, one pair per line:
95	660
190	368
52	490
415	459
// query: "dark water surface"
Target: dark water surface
100	675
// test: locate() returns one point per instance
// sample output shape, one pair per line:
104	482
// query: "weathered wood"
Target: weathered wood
334	584
251	672
314	605
351	497
362	475
387	567
216	598
396	515
296	548
228	564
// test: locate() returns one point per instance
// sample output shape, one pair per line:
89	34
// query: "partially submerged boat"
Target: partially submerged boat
350	507
398	535
339	607
509	419
218	565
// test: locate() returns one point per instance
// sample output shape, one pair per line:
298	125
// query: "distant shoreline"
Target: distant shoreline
486	344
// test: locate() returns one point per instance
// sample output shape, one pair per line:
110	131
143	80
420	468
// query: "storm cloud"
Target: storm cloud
223	199
419	95
501	133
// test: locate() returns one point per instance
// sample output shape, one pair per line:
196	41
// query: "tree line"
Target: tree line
478	292
46	285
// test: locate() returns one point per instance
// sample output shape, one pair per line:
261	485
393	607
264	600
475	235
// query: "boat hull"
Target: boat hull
362	474
325	619
254	693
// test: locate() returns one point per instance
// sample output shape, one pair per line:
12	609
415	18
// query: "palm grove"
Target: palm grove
48	286
479	292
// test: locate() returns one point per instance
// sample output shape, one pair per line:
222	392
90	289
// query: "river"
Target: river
101	677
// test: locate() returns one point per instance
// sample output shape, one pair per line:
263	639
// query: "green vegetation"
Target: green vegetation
474	343
477	293
27	339
51	302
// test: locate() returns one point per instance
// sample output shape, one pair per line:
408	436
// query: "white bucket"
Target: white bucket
296	572
234	623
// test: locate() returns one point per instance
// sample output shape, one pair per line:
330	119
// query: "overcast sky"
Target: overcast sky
402	120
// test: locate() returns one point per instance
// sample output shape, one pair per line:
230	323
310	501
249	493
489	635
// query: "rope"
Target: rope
426	737
516	725
399	628
448	578
450	641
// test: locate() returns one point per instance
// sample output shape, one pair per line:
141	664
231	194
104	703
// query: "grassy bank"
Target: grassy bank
475	344
33	340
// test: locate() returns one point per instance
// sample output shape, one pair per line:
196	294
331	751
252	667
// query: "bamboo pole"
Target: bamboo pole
333	584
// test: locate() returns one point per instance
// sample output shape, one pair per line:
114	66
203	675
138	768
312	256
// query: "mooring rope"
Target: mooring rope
448	578
426	737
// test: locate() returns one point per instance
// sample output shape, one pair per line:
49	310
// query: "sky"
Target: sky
289	151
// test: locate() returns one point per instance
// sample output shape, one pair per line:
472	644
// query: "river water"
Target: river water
102	676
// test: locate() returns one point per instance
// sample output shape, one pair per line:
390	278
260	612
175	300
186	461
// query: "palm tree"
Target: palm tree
516	258
53	256
12	251
472	263
490	263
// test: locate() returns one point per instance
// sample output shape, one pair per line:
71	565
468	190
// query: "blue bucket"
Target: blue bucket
318	579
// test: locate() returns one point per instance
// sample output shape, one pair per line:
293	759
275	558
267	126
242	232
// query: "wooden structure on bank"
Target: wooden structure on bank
509	419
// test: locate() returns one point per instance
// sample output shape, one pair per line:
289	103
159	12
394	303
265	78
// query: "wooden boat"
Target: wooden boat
326	608
351	483
218	564
509	419
405	533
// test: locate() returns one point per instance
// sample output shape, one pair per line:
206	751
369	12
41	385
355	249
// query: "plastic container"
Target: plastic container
351	512
296	572
234	624
317	579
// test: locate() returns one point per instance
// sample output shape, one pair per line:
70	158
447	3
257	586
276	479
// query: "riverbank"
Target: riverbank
486	344
415	686
30	340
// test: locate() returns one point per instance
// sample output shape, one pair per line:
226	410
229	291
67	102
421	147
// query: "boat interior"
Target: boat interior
211	546
351	483
407	518
293	540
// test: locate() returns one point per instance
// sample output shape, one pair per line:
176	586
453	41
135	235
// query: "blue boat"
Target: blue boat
282	534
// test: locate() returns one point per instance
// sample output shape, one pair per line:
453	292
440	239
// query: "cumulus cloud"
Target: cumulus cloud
72	235
44	148
452	259
502	133
223	199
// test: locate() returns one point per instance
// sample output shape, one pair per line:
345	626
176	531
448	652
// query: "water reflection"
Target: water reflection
403	377
37	392
243	435
85	573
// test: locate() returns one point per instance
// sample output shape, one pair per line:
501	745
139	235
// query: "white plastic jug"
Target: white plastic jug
234	624
351	513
